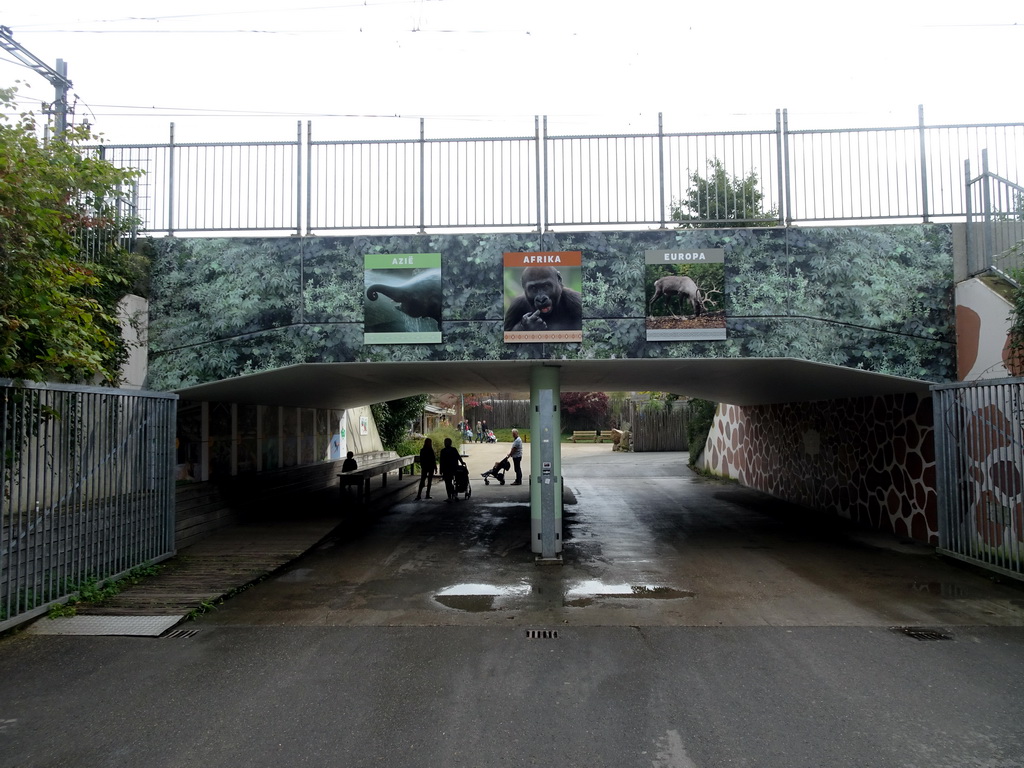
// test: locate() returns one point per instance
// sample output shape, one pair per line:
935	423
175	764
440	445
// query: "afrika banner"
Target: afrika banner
542	296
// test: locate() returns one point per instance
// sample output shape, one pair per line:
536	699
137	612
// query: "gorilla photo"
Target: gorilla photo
546	304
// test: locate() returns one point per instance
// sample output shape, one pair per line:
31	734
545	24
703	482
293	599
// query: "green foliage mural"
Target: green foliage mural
877	298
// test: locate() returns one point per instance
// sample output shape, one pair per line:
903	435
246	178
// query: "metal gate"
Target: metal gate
87	478
979	439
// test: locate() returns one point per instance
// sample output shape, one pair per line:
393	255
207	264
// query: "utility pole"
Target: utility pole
58	77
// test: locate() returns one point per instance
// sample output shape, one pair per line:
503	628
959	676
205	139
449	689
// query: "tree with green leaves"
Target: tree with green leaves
722	197
63	269
394	416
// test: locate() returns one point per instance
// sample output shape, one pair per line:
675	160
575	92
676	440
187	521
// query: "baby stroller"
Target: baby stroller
497	472
462	481
490	438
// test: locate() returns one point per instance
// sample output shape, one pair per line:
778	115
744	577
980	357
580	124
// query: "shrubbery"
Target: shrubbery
698	425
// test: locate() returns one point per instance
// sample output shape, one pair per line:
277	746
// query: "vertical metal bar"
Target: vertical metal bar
789	167
423	188
7	454
171	163
543	216
16	504
969	233
939	436
100	502
780	191
309	177
298	177
924	161
973	434
986	193
661	172
1017	457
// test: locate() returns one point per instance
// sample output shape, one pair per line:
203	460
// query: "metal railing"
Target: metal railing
979	441
995	221
538	181
88	489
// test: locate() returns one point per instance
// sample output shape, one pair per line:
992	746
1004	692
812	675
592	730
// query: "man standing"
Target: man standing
516	454
448	460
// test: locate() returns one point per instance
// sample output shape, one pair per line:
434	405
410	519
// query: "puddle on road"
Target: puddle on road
941	589
477	598
587	592
296	575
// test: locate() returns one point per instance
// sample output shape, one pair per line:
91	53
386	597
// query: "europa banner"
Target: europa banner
542	296
685	292
402	298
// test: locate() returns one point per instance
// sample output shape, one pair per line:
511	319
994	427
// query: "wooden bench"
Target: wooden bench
579	434
360	477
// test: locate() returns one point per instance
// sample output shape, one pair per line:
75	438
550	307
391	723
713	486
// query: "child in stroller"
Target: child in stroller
490	436
497	472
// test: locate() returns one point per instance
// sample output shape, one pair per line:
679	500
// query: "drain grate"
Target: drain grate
922	633
542	634
182	634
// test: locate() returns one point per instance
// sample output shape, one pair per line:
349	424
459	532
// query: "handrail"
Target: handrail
546	179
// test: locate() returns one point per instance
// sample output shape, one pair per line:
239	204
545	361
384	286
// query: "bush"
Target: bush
409	447
393	418
698	425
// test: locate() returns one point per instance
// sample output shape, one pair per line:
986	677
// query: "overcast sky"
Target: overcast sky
222	69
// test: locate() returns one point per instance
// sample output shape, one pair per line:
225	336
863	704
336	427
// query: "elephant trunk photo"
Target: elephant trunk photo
419	296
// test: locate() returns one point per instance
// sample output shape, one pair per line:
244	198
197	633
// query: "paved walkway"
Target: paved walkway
232	559
647	543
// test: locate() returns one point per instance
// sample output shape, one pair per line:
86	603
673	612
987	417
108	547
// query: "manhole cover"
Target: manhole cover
138	626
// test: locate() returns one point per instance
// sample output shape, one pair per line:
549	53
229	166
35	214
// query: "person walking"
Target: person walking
479	432
516	454
449	459
428	466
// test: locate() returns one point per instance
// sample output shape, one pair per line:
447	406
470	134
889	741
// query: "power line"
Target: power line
211	14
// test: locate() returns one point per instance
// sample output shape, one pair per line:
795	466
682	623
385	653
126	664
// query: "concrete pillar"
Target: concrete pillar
545	464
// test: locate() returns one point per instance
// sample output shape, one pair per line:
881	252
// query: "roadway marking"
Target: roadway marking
671	752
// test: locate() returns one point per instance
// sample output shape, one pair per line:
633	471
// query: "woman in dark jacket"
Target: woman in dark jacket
428	466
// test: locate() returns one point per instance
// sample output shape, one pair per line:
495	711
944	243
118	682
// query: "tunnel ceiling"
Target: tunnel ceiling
749	381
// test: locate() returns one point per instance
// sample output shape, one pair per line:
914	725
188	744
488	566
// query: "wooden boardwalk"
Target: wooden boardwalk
237	556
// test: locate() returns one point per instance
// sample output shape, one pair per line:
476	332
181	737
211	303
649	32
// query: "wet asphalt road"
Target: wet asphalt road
692	624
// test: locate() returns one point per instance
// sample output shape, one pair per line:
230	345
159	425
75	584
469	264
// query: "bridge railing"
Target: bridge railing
541	180
995	219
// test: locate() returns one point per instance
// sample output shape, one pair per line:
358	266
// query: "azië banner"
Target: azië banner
402	298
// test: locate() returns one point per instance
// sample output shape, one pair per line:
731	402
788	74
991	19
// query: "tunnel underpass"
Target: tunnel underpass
647	543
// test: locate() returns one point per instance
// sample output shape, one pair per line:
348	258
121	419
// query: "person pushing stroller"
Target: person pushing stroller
497	471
